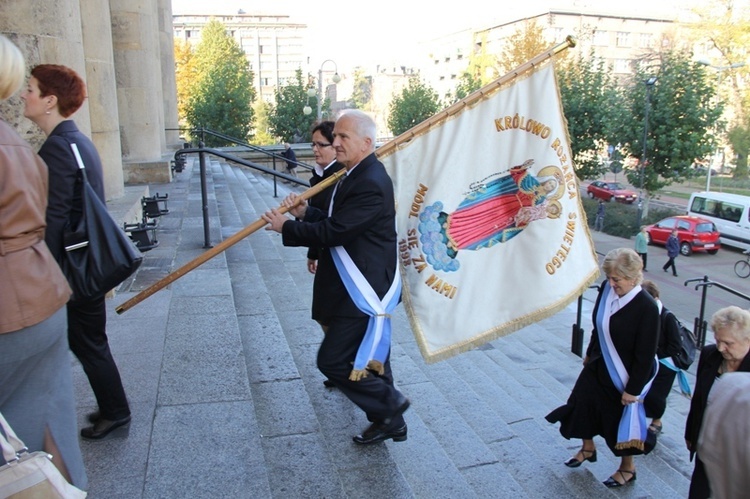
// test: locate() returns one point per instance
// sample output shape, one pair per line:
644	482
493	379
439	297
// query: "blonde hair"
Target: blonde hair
732	319
12	68
625	262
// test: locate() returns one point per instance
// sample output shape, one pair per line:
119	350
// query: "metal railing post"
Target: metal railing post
275	180
204	197
576	341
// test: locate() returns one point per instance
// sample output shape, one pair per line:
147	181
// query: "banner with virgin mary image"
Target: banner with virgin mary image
492	234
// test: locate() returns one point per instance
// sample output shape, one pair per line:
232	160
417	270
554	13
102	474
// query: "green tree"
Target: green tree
724	27
682	120
417	102
261	134
590	99
739	138
468	82
362	91
287	121
222	93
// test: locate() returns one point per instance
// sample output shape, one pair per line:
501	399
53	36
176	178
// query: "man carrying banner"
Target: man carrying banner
357	277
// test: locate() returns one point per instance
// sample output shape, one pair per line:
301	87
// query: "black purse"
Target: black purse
98	253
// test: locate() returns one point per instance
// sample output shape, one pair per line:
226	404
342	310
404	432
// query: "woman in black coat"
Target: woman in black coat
53	94
731	327
619	366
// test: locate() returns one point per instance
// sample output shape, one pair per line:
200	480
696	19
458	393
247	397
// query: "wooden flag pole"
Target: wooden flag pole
225	244
470	99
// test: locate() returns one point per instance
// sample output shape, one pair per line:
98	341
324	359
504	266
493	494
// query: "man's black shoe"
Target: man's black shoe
329	384
104	427
378	432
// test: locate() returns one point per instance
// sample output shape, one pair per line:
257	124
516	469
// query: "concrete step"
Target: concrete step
523	396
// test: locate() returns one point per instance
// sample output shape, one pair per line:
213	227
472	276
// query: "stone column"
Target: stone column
168	81
102	91
46	32
139	90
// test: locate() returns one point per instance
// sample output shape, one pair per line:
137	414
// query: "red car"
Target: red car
694	233
610	191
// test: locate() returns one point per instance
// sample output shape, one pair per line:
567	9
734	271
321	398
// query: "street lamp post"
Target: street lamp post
336	78
719	70
649	85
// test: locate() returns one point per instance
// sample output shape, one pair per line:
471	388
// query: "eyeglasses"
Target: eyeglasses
320	145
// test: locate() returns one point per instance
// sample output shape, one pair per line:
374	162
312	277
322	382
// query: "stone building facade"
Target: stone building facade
275	46
123	51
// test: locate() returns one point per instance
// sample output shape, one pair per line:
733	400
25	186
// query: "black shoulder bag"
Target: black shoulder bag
98	253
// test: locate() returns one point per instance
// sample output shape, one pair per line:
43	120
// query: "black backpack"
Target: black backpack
688	343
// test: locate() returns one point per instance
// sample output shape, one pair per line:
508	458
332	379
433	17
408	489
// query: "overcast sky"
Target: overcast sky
384	31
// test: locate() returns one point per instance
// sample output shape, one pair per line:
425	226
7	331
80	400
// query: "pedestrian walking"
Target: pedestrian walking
641	246
291	159
673	249
599	221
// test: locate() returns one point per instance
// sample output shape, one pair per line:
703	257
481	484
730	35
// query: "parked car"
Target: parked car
694	234
699	171
610	191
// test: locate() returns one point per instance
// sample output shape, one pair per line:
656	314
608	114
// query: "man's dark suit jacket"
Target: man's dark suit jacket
65	180
363	221
635	331
321	199
708	367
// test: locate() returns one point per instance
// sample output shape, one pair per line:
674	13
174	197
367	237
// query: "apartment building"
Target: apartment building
275	46
620	40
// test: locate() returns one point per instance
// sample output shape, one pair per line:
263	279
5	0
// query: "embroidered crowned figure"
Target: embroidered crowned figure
492	212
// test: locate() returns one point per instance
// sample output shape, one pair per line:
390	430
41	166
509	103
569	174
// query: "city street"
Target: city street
681	298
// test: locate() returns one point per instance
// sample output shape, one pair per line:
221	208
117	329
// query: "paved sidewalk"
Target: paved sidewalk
227	402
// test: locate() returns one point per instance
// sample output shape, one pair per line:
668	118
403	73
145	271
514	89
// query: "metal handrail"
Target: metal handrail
700	324
202	151
207	131
576	337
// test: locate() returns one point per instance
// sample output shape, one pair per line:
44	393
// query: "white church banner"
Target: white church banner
492	234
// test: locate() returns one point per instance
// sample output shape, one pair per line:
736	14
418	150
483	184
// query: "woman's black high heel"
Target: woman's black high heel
613	484
575	463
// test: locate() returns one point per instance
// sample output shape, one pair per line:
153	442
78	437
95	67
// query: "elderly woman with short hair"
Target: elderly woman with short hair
731	353
619	367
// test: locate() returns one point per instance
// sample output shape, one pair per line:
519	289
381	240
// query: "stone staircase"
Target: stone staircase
227	400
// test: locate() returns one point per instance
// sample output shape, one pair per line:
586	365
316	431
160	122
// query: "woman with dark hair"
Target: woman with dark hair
53	93
325	166
36	382
619	367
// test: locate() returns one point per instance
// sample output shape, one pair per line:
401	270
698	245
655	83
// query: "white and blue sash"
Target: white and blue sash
632	430
681	377
376	344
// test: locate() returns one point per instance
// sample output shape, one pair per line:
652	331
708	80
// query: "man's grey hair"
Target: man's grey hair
363	124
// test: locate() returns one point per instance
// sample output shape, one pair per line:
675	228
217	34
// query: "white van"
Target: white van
729	212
